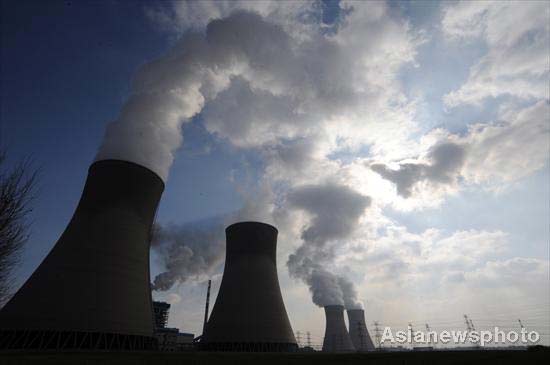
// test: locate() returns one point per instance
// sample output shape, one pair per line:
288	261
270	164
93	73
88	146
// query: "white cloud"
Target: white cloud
301	99
516	34
490	155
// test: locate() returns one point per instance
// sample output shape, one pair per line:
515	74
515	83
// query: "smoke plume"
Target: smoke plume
189	252
259	84
173	89
335	211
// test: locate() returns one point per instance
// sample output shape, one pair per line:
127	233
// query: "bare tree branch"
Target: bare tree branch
17	189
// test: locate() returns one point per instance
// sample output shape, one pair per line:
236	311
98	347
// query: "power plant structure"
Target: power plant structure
337	338
249	313
358	330
92	290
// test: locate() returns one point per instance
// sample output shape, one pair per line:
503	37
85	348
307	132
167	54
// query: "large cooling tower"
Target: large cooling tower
249	313
337	337
92	290
358	330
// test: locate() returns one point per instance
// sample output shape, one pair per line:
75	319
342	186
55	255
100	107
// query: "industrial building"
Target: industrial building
337	338
169	339
161	311
92	290
358	330
249	313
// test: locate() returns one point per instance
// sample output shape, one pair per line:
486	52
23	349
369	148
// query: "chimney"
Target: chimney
337	338
92	290
358	330
249	313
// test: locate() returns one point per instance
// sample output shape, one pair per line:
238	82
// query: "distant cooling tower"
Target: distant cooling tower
337	337
358	330
249	313
92	291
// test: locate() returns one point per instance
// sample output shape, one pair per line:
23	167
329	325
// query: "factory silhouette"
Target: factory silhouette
92	291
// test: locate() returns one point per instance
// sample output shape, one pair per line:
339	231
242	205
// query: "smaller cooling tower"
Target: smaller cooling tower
249	313
337	338
358	330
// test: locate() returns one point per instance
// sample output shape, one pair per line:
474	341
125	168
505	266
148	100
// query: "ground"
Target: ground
535	356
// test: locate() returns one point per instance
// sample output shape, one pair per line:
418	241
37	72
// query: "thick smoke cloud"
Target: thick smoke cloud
335	211
446	159
257	83
188	252
171	90
260	85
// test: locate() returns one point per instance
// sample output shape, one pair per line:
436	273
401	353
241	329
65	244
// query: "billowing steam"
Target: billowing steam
257	84
171	90
335	211
188	252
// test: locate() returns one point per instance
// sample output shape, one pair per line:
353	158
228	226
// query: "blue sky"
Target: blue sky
347	86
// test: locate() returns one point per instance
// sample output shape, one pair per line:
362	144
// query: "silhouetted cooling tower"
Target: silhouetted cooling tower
92	290
337	337
358	330
249	313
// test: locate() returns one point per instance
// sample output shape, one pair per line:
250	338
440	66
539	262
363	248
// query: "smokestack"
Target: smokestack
337	338
249	313
358	330
92	290
207	305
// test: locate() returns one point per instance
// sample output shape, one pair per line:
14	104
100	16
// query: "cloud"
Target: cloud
514	271
517	36
510	149
446	159
335	209
489	154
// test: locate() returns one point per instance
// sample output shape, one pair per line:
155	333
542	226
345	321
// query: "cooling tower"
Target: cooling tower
337	338
92	290
358	330
249	313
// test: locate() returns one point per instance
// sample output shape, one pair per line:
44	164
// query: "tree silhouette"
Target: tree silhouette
17	188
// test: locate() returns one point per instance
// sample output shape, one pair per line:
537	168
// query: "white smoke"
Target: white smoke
173	89
335	210
261	84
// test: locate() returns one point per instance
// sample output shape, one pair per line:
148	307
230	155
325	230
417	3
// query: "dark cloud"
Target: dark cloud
446	159
335	209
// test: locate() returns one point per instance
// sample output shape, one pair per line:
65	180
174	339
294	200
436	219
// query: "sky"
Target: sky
400	148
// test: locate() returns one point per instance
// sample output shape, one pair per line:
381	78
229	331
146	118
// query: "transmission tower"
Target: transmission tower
378	335
412	334
468	325
361	336
428	330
